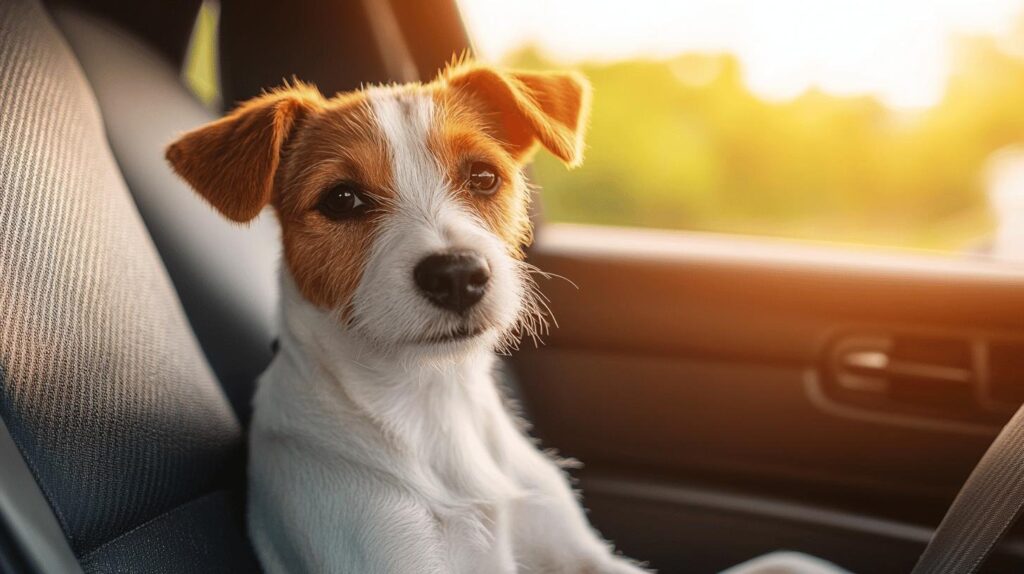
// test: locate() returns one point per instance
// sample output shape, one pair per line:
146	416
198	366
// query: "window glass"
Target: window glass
200	69
882	122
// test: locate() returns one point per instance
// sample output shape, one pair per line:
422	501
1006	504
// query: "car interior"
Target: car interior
727	395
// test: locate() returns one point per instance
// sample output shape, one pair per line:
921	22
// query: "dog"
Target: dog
379	441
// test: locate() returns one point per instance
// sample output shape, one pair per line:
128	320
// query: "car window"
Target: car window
200	71
894	123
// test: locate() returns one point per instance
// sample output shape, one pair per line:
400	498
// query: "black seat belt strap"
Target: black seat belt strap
986	507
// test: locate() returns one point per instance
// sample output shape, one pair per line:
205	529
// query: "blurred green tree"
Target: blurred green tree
684	144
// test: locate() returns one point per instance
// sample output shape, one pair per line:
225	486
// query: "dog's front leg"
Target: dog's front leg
316	515
551	534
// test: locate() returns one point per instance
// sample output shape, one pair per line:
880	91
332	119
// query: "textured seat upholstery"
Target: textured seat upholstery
224	273
103	386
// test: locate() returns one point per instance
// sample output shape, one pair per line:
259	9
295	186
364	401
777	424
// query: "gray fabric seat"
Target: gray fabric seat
224	273
104	388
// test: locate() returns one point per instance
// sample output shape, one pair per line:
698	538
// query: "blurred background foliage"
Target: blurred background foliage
681	143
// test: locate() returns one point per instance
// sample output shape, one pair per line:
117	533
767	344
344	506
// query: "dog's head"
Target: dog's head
403	209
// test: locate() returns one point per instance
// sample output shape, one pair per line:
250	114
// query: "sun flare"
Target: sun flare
897	50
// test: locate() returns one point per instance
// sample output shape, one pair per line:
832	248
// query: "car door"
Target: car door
731	396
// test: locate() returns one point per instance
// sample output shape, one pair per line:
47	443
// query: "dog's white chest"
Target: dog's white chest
428	469
462	457
480	541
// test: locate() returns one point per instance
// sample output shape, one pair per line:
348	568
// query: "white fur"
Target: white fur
373	453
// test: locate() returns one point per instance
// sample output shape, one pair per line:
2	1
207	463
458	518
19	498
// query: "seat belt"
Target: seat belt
986	507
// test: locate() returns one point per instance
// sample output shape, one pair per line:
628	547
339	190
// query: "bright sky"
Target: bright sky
898	50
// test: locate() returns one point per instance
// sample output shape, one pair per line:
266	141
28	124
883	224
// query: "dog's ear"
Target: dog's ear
231	162
530	107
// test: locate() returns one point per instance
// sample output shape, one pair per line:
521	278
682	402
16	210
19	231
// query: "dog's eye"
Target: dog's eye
342	202
483	178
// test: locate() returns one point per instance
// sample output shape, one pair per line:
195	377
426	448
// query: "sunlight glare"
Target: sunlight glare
897	50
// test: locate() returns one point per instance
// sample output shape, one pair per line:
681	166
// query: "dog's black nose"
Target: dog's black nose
454	281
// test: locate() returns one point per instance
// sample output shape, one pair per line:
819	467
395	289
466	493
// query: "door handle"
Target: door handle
880	363
972	377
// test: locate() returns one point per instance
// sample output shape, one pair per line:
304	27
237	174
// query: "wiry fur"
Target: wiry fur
372	450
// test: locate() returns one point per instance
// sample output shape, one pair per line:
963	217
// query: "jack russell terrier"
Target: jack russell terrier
379	441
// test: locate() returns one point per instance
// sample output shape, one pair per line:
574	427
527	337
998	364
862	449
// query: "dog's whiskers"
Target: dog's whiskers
533	319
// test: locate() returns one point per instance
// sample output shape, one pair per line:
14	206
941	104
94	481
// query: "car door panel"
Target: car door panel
702	364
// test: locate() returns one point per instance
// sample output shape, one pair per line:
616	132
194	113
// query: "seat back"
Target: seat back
103	387
224	273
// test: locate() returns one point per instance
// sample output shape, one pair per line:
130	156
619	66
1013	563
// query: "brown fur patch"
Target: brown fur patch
459	139
342	144
526	108
239	183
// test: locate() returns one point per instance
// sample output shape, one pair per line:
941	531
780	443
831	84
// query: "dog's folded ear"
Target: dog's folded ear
232	162
529	107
